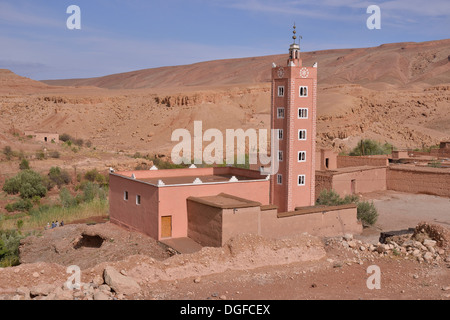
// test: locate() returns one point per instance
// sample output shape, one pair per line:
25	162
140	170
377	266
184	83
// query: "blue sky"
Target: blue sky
126	35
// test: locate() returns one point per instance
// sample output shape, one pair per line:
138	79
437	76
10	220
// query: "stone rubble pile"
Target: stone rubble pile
113	285
426	250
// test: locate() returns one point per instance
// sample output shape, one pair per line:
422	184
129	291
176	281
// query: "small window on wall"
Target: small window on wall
302	134
138	199
281	91
301	156
279	179
280	134
280	155
303	91
280	113
301	180
302	113
125	195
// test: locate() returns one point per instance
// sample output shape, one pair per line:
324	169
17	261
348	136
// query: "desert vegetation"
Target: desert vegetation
366	211
368	147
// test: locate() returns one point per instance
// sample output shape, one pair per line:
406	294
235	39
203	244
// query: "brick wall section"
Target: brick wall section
323	181
355	161
419	180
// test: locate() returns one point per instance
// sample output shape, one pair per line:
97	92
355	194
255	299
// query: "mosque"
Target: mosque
211	205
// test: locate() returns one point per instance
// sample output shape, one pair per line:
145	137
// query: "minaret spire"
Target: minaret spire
294	49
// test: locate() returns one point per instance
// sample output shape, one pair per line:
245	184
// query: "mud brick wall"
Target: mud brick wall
355	161
419	180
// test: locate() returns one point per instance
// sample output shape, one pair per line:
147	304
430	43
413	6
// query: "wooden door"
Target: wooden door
166	227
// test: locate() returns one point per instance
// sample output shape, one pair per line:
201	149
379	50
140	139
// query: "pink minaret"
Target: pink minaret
293	103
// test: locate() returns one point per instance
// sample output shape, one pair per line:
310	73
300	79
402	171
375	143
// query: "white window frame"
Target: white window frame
125	195
282	134
280	155
300	91
298	156
303	180
298	135
282	91
302	109
278	113
138	199
279	178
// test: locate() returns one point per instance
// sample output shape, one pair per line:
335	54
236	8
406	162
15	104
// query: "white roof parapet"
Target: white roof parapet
197	181
153	168
291	64
234	179
161	183
192	166
268	177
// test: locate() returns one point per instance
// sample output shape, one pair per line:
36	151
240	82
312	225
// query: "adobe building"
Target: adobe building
211	205
45	137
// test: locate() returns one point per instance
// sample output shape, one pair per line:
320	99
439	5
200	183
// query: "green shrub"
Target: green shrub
91	175
367	213
89	191
65	137
58	176
19	224
24	164
9	248
92	191
36	200
40	155
370	147
27	183
7	151
435	164
66	198
88	143
78	142
331	198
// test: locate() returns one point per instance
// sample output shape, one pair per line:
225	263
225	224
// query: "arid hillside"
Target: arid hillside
399	93
395	65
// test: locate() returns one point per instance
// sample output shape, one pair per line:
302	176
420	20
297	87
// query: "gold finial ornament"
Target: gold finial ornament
294	32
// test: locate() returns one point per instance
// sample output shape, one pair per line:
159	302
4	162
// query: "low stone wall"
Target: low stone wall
433	181
356	161
214	226
318	221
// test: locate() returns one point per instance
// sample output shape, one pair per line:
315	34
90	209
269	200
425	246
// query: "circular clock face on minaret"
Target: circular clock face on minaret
280	72
304	73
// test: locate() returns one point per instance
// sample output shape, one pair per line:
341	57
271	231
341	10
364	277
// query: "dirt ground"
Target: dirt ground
249	267
399	211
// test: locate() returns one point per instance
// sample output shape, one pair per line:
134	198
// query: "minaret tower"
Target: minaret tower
293	103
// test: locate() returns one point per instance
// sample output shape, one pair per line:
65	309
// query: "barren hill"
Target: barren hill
397	93
389	65
9	81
